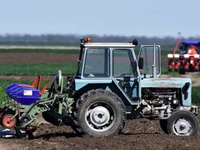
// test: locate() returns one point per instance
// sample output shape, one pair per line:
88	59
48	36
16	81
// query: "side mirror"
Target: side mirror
141	63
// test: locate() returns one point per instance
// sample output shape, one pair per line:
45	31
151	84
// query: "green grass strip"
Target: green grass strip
164	70
70	51
36	69
196	95
49	69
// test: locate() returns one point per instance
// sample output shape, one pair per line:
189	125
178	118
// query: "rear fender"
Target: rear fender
82	87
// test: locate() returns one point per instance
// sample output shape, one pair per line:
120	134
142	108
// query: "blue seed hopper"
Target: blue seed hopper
23	94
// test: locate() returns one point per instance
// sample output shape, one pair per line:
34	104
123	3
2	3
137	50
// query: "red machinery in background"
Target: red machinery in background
188	58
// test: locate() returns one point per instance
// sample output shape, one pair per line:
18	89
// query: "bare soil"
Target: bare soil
138	134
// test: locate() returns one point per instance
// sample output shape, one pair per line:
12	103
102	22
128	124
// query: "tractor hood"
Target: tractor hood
184	84
164	82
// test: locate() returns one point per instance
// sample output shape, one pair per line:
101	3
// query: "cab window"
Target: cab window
96	63
122	59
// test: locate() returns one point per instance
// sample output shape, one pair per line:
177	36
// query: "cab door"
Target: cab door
150	57
124	72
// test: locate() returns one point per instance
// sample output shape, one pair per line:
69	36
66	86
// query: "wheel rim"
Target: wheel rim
100	117
182	127
6	122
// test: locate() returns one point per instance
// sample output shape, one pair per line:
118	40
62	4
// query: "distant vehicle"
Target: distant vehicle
188	58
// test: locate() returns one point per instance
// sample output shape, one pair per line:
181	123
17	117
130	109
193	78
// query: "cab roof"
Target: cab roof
191	43
120	45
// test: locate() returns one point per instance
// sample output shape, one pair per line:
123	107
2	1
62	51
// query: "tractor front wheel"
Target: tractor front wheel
6	121
100	113
182	123
163	125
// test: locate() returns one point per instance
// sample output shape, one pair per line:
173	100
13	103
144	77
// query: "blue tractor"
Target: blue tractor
110	86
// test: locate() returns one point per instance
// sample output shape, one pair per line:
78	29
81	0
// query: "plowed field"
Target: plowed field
138	134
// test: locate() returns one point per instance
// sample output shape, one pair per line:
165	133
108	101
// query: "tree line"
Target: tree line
74	39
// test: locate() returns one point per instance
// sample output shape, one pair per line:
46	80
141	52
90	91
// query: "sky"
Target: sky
101	17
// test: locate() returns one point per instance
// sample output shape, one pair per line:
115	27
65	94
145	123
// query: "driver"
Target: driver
192	50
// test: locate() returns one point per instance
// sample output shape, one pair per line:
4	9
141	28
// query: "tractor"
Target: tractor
110	86
187	60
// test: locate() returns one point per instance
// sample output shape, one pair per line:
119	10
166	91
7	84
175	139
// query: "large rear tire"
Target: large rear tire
182	123
99	113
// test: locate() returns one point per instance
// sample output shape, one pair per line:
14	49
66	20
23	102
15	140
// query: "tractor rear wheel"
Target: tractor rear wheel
100	113
182	123
5	121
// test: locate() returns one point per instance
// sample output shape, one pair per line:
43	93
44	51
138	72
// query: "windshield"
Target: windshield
96	63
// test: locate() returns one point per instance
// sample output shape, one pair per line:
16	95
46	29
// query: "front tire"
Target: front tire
182	123
163	125
100	113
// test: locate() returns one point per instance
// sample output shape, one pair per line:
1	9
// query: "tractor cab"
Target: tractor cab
115	67
118	60
107	60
